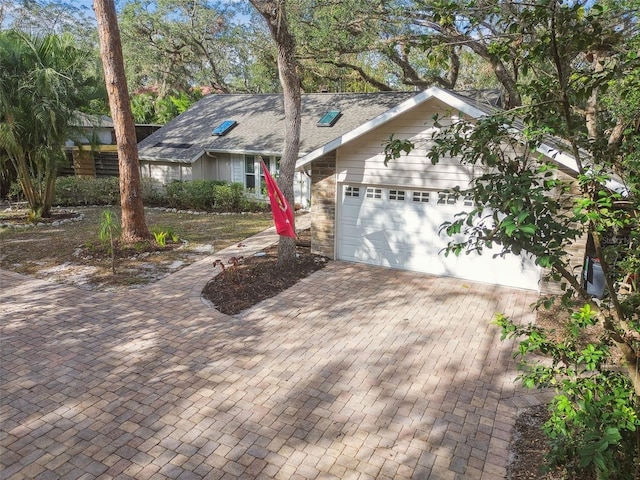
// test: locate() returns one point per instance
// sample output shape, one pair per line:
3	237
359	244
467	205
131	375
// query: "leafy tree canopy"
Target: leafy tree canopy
579	77
179	44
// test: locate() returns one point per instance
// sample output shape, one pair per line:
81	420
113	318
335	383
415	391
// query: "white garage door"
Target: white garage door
399	228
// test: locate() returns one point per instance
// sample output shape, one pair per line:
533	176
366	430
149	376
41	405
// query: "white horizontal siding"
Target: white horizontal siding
362	161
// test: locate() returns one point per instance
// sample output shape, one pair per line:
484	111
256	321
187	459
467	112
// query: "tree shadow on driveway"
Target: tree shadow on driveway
355	372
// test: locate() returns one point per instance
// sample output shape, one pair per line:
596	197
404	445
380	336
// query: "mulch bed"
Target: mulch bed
248	280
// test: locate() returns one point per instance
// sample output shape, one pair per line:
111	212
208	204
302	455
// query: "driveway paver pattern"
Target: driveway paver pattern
356	372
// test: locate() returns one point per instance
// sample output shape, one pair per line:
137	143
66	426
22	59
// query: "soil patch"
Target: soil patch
529	447
246	281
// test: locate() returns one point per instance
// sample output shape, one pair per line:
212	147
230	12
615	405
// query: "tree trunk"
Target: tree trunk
134	226
49	185
501	72
274	13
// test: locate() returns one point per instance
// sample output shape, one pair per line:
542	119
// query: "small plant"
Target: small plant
140	247
162	234
160	237
109	231
90	246
32	217
231	273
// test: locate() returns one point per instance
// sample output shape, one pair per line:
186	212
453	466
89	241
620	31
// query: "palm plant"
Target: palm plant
43	80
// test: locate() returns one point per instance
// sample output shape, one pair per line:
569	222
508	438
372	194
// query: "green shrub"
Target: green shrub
87	191
162	234
15	192
153	193
593	426
202	195
209	195
229	197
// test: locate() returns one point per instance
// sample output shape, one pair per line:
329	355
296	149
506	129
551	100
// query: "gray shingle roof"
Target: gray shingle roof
260	126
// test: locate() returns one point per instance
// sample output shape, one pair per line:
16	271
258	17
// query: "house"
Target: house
189	148
92	151
361	210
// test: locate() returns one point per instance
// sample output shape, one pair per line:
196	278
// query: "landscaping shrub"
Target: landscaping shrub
15	193
153	193
593	424
87	191
229	197
201	195
209	195
192	194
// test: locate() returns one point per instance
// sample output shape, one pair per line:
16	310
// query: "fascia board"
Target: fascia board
148	158
248	152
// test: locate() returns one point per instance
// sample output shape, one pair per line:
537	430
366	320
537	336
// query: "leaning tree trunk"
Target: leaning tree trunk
274	13
134	227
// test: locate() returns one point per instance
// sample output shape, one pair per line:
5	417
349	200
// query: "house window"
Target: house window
468	201
249	171
352	191
420	197
397	195
374	192
445	198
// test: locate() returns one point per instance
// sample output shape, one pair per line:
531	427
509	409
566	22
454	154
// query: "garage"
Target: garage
398	227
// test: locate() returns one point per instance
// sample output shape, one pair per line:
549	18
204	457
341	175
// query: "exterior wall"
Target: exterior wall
99	135
362	161
323	205
302	189
576	251
222	166
237	168
216	167
83	164
88	161
165	172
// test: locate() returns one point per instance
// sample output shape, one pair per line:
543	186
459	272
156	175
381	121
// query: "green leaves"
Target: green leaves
395	147
44	80
594	415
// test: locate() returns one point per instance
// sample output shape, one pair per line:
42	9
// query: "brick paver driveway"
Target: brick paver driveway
356	372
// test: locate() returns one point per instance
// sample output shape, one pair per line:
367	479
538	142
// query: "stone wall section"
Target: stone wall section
323	205
577	250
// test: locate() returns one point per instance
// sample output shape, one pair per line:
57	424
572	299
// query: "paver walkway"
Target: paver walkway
355	373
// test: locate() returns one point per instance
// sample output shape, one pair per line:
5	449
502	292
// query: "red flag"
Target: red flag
280	208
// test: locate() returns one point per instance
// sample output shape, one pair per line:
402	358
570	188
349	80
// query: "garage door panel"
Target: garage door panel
406	235
393	243
400	225
410	221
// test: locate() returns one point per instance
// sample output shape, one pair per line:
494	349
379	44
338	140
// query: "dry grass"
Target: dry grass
73	253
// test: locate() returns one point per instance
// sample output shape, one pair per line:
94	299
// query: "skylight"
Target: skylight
329	118
224	127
